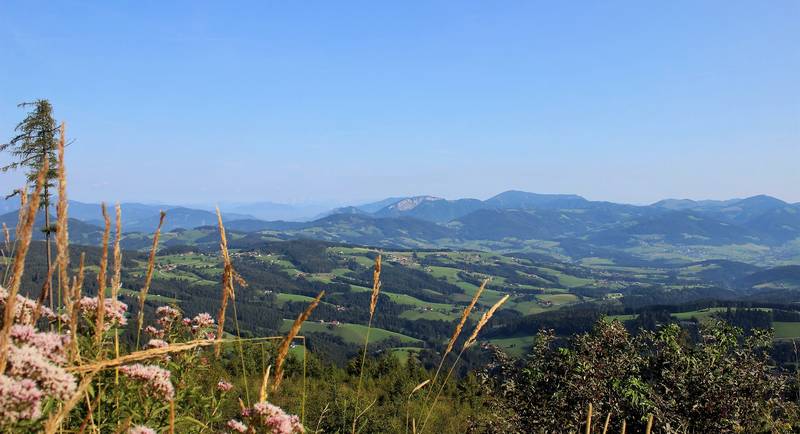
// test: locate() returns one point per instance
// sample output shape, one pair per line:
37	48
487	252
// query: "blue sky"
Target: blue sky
350	101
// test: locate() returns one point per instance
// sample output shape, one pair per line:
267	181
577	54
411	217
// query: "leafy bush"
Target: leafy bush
725	382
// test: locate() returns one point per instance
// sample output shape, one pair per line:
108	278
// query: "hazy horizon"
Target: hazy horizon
326	205
347	103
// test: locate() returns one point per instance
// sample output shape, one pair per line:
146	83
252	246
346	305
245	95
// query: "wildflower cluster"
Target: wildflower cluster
19	400
224	386
24	308
51	345
156	343
35	370
201	326
156	379
114	311
141	429
266	417
167	316
154	332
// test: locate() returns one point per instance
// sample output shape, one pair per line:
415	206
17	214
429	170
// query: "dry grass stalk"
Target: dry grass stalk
151	263
376	286
227	281
24	239
6	239
608	421
373	303
77	285
62	229
8	249
123	427
419	386
321	418
472	339
589	420
363	412
23	201
484	319
23	208
101	283
457	332
464	317
649	424
172	416
90	408
283	349
408	400
54	422
140	355
624	426
262	395
116	279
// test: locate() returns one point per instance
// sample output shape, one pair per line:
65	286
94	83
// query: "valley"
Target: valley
564	261
425	291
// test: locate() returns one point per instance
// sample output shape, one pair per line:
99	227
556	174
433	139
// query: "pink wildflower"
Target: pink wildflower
154	332
156	343
237	426
51	345
114	311
275	419
168	311
224	386
28	362
204	320
19	400
141	429
167	316
201	326
157	379
24	308
201	323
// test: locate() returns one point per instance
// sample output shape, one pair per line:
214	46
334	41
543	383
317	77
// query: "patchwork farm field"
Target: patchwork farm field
423	293
350	333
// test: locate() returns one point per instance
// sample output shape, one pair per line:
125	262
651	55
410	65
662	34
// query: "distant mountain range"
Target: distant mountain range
758	228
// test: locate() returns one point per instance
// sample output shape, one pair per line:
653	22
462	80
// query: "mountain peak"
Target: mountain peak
762	200
524	199
411	203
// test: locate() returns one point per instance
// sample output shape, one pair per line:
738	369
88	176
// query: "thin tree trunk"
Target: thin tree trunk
47	244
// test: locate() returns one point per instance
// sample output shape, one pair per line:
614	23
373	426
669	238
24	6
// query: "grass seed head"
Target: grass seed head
283	350
484	319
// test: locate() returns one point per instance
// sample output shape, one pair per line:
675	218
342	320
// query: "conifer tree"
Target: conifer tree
36	141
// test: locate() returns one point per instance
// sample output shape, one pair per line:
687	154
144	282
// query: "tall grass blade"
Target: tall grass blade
151	262
101	284
62	230
470	341
373	303
456	334
283	349
24	238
